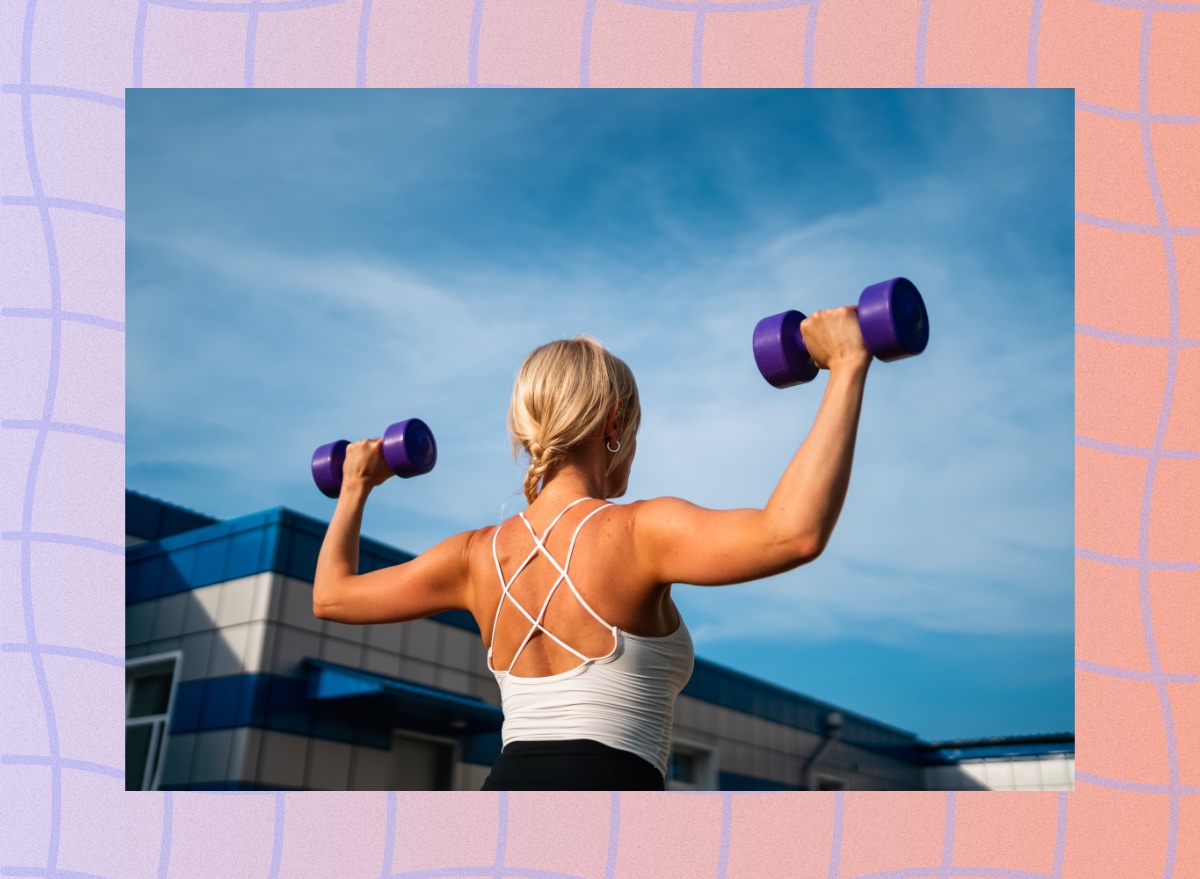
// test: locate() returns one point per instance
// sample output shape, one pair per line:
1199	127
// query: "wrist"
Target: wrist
354	491
853	367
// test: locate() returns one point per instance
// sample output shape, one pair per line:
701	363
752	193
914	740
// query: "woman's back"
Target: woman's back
601	568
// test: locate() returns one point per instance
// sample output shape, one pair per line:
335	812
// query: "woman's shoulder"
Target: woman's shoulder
478	558
657	510
478	538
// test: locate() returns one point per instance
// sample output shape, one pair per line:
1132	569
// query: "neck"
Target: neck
585	474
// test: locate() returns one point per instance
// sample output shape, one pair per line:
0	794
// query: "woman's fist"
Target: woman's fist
365	465
834	339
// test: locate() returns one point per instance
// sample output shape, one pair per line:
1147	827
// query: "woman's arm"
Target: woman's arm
679	542
434	581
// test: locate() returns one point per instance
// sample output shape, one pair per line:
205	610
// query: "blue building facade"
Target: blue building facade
233	684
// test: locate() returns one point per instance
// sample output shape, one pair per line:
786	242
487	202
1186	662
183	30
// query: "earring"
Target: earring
607	445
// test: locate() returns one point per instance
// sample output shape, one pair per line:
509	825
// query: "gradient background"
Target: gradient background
308	264
64	66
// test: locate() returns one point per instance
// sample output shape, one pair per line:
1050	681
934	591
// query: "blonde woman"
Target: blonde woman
573	596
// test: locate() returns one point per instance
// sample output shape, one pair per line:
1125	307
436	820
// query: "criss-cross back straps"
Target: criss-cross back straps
562	575
540	546
505	586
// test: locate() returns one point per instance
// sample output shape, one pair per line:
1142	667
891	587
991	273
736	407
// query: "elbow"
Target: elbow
809	547
328	611
793	545
791	554
322	604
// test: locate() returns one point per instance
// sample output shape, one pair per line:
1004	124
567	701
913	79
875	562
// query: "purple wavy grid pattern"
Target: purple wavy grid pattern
35	322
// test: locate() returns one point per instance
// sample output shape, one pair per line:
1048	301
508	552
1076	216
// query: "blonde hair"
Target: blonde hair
561	398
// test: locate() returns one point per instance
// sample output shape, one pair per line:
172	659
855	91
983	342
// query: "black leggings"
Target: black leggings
571	764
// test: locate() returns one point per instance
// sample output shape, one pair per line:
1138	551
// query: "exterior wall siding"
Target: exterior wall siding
1045	772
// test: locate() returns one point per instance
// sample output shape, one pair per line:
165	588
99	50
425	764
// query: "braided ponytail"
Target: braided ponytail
540	461
562	395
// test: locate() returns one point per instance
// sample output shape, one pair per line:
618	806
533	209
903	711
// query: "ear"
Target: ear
610	422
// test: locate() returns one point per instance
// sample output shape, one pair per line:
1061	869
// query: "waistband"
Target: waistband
565	748
571	764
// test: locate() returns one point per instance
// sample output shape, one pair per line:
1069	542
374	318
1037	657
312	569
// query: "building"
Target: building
1038	762
233	684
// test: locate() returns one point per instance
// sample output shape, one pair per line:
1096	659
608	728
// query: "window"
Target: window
682	767
149	694
422	762
691	766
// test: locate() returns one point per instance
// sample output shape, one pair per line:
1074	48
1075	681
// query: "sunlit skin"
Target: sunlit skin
628	555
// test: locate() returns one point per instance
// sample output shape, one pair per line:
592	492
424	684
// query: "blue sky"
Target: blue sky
304	266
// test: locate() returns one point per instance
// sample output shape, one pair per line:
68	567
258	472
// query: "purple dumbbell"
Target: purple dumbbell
892	318
408	448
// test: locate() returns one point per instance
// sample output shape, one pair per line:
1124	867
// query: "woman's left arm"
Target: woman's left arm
433	582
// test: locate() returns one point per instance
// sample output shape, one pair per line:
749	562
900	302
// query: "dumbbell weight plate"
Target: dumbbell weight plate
327	464
893	319
780	352
409	448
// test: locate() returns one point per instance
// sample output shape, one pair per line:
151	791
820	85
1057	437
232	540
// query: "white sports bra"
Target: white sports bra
624	699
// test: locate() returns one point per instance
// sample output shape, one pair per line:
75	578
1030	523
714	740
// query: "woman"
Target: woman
581	633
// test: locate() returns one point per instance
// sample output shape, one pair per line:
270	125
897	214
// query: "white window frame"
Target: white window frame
158	723
707	764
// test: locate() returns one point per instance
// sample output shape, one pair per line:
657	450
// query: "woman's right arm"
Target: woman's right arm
679	542
434	581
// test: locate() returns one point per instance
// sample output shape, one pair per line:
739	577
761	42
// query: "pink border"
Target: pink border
63	812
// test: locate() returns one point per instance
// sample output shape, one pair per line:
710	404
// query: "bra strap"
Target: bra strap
562	569
505	586
562	575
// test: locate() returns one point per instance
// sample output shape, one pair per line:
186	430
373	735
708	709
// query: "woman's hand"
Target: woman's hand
834	339
365	466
